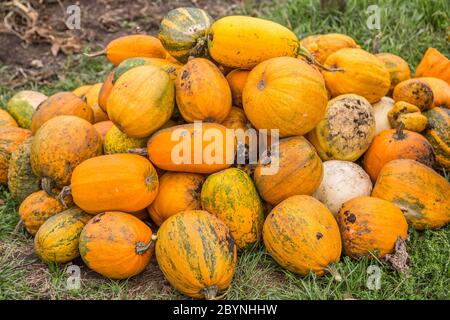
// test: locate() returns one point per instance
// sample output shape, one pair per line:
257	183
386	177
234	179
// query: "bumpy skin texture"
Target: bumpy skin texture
391	144
237	80
57	239
178	191
166	143
118	142
108	245
302	236
21	179
182	30
196	251
119	182
438	134
231	196
37	208
299	171
137	45
62	103
286	94
172	68
103	127
322	45
381	109
6	119
22	106
434	64
347	129
60	145
202	92
421	193
398	68
363	74
370	225
243	42
141	101
10	140
409	115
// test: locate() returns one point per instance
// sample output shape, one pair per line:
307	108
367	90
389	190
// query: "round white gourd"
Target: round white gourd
381	109
342	181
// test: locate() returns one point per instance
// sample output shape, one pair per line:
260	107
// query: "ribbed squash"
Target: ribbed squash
37	208
196	253
60	145
243	42
103	127
178	191
119	182
398	68
21	180
438	134
183	32
370	225
396	144
198	148
81	90
237	80
361	73
322	45
286	94
57	239
141	101
22	106
297	170
302	236
6	119
118	142
10	140
408	115
116	245
62	103
232	197
381	109
172	68
434	64
202	92
105	90
347	129
421	193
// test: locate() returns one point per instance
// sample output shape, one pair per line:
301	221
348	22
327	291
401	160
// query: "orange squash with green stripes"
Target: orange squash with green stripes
10	140
438	134
172	68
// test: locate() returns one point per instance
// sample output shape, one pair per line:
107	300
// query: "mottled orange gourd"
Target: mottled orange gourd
434	64
322	45
10	139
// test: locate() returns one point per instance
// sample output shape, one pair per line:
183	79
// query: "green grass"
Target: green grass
408	29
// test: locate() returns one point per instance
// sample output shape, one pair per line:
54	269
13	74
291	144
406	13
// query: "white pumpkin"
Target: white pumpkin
381	109
342	181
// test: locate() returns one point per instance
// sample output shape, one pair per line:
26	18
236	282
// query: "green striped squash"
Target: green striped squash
438	134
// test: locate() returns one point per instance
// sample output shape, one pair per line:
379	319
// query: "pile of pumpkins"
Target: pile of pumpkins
90	167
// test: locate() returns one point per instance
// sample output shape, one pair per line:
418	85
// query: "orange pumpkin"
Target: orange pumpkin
398	68
102	127
105	90
295	170
10	139
396	144
202	92
178	191
236	119
91	95
237	80
434	64
81	90
441	92
370	225
62	103
116	245
322	45
6	119
99	114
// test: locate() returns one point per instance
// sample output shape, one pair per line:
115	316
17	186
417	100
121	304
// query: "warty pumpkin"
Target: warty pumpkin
381	109
285	93
6	119
118	182
370	225
347	129
116	245
360	73
10	140
59	146
59	104
302	236
202	92
103	127
421	193
81	90
183	32
297	170
322	45
172	68
237	80
398	68
231	196
396	144
22	106
178	191
118	142
196	253
21	180
105	90
434	64
409	115
438	134
141	101
57	239
198	148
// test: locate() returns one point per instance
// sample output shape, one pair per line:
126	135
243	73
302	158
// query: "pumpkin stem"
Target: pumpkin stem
399	131
66	191
376	43
332	270
142	248
95	54
200	49
210	293
47	185
139	151
302	51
